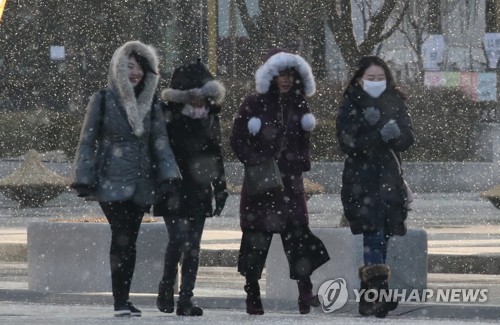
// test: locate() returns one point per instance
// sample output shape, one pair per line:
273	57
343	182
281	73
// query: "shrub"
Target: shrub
42	130
443	119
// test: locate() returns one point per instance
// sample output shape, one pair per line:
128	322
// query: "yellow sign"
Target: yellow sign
2	6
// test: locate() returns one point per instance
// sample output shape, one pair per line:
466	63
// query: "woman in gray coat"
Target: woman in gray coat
123	156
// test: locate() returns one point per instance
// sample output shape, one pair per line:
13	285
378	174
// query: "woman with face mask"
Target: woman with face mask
191	108
373	127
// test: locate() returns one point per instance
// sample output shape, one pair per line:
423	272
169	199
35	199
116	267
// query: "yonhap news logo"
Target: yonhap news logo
333	295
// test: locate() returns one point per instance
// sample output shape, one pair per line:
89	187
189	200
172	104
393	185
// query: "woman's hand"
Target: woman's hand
371	115
390	131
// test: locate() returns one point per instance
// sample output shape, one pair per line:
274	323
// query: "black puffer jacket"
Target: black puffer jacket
196	144
124	151
373	194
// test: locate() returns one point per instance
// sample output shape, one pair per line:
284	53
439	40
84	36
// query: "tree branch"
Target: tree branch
247	21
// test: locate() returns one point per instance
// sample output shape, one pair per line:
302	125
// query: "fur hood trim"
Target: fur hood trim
212	89
279	62
136	108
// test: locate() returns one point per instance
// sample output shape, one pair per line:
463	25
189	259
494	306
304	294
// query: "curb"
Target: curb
437	263
464	264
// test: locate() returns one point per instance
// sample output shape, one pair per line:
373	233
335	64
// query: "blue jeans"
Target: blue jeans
375	247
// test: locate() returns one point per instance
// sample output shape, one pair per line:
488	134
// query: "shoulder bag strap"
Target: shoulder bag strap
397	161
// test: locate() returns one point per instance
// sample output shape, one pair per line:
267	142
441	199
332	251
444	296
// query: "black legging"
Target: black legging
125	220
184	237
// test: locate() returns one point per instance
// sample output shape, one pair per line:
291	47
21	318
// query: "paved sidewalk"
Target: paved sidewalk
463	232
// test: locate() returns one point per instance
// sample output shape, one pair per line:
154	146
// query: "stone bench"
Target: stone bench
74	257
406	256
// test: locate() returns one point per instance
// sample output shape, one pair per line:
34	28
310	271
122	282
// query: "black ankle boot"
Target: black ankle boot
186	308
306	296
165	299
253	301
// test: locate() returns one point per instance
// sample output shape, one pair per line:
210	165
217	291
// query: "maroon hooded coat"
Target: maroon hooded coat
272	211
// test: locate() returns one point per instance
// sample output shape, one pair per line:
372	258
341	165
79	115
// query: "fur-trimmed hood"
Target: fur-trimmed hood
136	108
281	61
212	89
194	81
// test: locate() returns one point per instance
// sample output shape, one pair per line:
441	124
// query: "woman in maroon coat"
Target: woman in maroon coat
276	123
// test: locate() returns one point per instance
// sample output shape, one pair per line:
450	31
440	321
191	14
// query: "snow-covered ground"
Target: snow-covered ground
42	314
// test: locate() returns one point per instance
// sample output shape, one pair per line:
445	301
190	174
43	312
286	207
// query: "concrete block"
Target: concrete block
74	257
407	258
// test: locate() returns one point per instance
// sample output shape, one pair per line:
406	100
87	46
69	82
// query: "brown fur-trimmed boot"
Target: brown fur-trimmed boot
375	277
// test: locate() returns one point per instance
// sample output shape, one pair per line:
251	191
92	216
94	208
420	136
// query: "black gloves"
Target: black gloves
169	187
220	193
84	190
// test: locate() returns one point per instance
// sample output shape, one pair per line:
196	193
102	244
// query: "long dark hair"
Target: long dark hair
364	64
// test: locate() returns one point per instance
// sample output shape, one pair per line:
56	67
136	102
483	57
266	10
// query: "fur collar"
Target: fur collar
281	61
212	89
136	108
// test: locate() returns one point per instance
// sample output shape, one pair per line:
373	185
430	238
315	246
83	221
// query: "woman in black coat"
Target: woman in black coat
276	123
373	127
191	113
122	157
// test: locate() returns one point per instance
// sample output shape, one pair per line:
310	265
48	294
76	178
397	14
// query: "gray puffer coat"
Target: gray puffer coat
124	152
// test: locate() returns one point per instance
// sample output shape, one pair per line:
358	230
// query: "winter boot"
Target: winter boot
306	296
185	307
364	308
253	301
165	299
375	277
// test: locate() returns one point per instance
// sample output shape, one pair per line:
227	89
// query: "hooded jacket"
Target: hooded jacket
273	125
124	151
195	141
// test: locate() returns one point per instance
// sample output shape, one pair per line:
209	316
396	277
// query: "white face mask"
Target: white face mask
374	88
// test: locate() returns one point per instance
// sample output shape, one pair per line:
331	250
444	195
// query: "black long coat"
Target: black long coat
373	193
196	144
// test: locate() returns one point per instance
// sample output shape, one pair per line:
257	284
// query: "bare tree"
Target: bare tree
188	29
261	29
415	28
298	25
379	23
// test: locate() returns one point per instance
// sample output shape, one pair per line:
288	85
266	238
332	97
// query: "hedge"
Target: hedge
443	118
